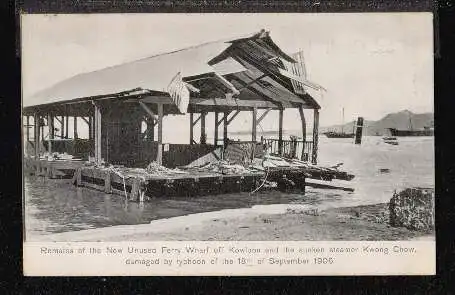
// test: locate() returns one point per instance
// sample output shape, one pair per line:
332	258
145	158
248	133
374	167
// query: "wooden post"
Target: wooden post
159	156
314	157
215	140
75	127
358	131
50	125
225	127
36	121
203	134
191	129
303	121
62	131
280	132
97	136
28	129
90	127
150	129
67	126
254	127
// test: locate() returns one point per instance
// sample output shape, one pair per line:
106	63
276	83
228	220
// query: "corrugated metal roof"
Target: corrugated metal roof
152	73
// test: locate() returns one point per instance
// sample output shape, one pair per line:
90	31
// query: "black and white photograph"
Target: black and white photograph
228	127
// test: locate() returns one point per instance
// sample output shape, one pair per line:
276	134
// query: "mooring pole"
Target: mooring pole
280	132
314	157
159	155
358	131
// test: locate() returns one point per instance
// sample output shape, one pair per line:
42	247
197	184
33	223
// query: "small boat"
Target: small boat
342	134
390	140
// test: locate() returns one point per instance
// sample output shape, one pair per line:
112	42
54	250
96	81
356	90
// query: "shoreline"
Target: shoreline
281	222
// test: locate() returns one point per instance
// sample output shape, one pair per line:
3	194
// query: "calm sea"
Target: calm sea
54	206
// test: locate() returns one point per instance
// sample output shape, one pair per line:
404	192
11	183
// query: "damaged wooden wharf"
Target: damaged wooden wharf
123	107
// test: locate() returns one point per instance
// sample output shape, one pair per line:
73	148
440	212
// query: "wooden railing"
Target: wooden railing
293	148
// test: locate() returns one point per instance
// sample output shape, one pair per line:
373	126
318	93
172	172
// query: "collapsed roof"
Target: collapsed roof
252	68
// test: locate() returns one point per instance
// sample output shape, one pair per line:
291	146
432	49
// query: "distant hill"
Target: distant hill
400	120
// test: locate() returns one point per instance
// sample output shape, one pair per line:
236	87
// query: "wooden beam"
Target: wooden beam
75	128
232	117
159	155
234	103
252	82
150	129
148	111
280	132
203	134
263	115
191	128
67	126
86	121
303	121
225	126
50	125
254	127
28	129
215	140
62	125
314	157
36	121
97	130
228	84
197	120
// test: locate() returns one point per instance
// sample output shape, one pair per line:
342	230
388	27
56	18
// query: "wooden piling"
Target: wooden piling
314	157
254	127
225	126
67	126
107	182
215	140
159	156
75	128
191	128
203	133
358	131
50	125
36	121
97	134
280	132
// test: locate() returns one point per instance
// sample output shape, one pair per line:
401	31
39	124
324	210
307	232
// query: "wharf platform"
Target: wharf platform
53	169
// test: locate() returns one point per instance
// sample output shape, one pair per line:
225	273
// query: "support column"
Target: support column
215	140
254	127
280	132
191	128
97	136
75	127
50	125
62	131
225	127
67	126
314	157
36	128
303	121
90	127
150	129
159	155
28	128
203	134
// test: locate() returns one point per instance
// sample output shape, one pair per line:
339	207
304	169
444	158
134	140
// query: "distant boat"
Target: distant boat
427	131
342	134
390	140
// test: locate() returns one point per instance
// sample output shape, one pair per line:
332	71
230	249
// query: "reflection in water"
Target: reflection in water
57	206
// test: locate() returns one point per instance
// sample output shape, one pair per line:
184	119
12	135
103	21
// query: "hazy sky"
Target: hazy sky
370	64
